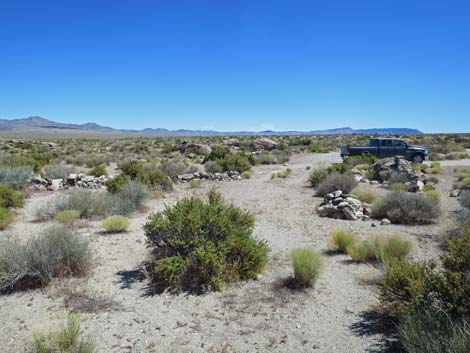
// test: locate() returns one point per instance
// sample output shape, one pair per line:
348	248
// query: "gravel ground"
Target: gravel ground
254	316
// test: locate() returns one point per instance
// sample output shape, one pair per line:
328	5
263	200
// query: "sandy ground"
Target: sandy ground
255	316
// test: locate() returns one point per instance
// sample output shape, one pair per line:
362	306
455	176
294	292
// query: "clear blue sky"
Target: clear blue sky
233	65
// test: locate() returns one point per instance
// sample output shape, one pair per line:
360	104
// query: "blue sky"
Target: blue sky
238	65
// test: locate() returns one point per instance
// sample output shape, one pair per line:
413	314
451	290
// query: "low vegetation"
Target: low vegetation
67	217
307	265
116	224
339	240
199	245
9	197
333	182
364	195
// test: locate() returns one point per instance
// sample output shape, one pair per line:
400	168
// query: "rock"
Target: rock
420	185
264	143
349	213
374	182
232	142
385	221
190	147
341	206
365	218
387	168
37	179
55	184
455	193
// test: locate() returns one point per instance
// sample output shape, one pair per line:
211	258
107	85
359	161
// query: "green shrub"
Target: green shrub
200	245
405	287
339	240
364	195
246	175
66	340
155	179
362	252
6	217
465	183
362	167
195	183
436	168
57	252
333	182
429	187
173	167
398	187
115	184
9	197
431	331
364	158
67	217
317	175
16	176
420	167
235	162
116	224
406	208
391	247
58	171
132	168
213	167
131	197
307	265
434	194
98	170
217	152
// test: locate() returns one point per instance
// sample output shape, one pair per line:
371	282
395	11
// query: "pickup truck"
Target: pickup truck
388	147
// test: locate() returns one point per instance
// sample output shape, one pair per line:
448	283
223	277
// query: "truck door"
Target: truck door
386	149
399	147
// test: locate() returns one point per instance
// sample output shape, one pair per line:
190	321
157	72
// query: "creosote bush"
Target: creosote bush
6	217
199	245
66	340
317	175
67	217
333	182
16	176
339	240
116	224
307	265
9	197
406	208
55	253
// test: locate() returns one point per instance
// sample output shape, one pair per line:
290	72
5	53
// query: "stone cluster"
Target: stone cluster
73	180
339	205
230	175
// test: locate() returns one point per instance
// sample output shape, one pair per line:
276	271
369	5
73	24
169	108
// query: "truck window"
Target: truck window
399	143
373	143
387	143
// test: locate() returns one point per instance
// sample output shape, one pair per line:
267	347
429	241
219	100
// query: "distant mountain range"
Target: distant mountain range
37	122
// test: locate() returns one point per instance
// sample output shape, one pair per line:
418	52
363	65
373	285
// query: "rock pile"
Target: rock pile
230	175
197	148
73	180
263	144
343	206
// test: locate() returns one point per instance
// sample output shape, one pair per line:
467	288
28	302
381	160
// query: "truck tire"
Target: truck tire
417	158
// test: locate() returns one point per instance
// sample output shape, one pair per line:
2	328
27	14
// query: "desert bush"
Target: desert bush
406	208
155	179
217	152
429	187
364	195
465	199
434	194
66	340
284	174
430	331
464	183
67	217
132	168
115	184
6	217
420	167
58	171
391	247
9	197
195	183
266	158
333	182
398	187
339	240
235	162
307	264
317	175
173	167
364	158
362	167
131	197
15	176
90	203
362	252
246	175
436	168
199	245
116	224
57	252
213	167
98	170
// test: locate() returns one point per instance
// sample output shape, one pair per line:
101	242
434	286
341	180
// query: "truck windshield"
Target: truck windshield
373	143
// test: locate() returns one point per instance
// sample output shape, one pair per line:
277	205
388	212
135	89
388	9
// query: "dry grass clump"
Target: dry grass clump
57	252
333	182
58	171
364	195
284	174
380	248
195	183
6	217
116	224
307	265
339	240
67	217
65	340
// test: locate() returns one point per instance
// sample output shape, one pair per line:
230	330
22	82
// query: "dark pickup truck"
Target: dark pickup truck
388	147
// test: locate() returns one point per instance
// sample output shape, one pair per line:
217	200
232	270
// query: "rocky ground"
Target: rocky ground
255	316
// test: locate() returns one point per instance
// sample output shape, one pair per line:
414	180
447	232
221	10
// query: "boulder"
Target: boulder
55	184
387	168
264	143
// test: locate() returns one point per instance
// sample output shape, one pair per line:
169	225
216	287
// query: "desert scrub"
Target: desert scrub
195	183
362	252
173	167
398	187
98	170
391	247
284	174
307	265
67	217
465	199
433	331
339	240
6	217
436	168
406	208
65	340
199	245
116	224
90	203
16	176
317	175
364	195
58	171
213	167
9	197
246	175
57	252
434	194
131	198
239	162
334	182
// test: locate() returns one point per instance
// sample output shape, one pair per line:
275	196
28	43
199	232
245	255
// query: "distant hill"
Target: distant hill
42	123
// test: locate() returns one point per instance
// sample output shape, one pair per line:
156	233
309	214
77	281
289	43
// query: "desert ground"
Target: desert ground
255	316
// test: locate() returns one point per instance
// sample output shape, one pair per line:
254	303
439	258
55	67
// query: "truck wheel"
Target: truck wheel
417	158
